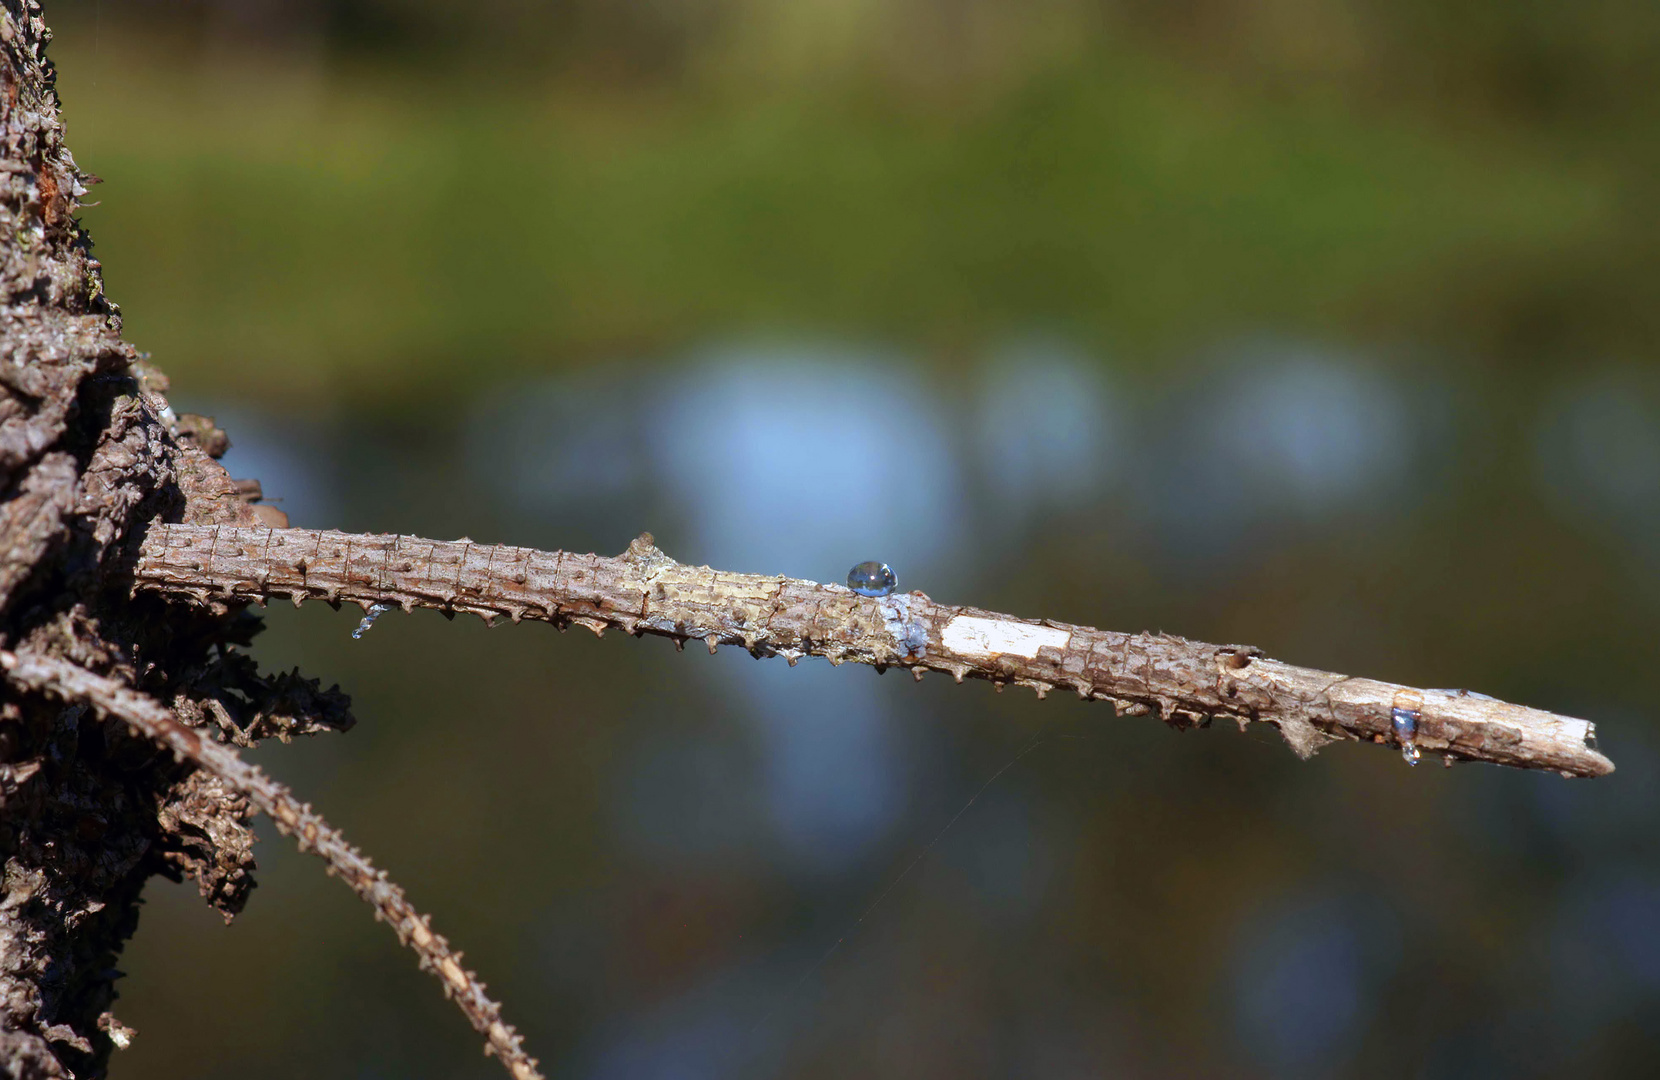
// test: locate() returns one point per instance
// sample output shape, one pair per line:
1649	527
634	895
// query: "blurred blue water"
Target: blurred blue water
293	458
1050	434
804	459
1307	971
1597	459
1277	437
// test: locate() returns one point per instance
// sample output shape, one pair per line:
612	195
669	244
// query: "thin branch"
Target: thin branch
644	591
150	718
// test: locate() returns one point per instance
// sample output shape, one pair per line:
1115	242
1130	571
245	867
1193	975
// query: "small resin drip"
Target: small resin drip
1405	723
872	579
369	617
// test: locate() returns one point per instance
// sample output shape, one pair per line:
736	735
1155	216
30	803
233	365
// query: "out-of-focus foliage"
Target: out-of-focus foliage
1323	325
396	188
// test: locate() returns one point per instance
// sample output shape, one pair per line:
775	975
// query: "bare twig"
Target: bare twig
645	592
46	674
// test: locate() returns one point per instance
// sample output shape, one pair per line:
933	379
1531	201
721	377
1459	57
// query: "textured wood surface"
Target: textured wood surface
644	591
87	814
90	453
240	778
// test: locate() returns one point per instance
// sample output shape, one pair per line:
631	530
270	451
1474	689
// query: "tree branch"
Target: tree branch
148	717
644	591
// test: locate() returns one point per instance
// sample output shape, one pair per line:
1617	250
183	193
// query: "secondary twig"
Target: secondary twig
644	591
150	718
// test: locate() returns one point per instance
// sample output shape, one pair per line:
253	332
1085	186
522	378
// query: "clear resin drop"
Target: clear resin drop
369	617
1405	724
872	579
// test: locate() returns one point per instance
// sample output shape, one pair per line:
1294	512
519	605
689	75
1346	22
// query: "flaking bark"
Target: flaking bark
90	453
233	777
645	592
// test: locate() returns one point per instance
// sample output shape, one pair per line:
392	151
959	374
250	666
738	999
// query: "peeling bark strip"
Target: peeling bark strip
645	592
152	719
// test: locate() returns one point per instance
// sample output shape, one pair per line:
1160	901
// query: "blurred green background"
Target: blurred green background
1323	325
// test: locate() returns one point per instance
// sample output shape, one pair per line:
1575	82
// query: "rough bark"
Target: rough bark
89	453
645	592
226	776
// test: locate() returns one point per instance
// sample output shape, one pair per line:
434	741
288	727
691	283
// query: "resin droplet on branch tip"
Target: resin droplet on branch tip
1405	723
375	611
872	579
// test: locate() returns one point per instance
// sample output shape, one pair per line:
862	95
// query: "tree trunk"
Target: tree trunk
90	450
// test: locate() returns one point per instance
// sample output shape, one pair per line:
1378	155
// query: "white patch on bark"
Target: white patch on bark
970	635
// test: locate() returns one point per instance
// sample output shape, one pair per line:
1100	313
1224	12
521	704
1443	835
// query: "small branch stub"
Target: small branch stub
644	591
